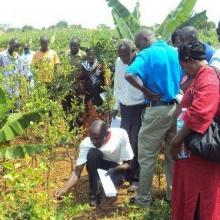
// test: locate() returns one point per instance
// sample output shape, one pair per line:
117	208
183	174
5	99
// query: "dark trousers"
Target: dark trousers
94	161
131	122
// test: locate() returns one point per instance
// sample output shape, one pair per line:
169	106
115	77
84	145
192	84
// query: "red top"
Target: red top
196	178
202	100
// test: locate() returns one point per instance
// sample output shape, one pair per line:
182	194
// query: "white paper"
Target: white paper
103	96
107	184
116	122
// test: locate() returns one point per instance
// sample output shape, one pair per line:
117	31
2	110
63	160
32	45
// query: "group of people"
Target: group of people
149	76
87	76
146	86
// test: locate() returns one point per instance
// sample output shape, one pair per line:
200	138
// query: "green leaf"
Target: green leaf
136	12
196	20
20	151
182	13
2	102
126	23
17	122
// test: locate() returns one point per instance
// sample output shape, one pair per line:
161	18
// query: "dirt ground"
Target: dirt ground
109	208
116	208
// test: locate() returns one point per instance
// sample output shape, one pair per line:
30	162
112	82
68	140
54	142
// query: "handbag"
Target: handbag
206	145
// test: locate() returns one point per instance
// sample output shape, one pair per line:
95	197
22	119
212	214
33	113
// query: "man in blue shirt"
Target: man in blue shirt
158	66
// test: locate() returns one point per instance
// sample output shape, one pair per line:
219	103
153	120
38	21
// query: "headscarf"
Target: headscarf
192	50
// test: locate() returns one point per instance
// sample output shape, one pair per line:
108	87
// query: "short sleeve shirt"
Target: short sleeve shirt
158	67
117	149
45	63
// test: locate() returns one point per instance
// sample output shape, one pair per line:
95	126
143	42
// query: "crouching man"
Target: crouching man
108	149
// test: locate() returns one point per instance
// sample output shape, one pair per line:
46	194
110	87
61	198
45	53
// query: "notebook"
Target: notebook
107	184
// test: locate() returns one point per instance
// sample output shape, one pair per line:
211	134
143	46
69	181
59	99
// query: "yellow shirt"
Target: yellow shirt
45	63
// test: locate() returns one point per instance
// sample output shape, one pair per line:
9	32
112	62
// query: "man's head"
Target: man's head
26	48
188	34
98	133
126	50
13	45
90	55
44	41
218	31
74	45
144	38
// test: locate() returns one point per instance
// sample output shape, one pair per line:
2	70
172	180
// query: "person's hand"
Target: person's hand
113	113
60	193
150	95
110	172
174	149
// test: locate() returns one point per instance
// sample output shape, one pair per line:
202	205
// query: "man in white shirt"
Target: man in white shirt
108	149
26	60
130	101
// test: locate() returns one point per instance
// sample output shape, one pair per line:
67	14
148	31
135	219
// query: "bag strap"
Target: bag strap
218	75
216	70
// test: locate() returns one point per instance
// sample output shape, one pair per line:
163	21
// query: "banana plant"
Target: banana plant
128	23
182	13
13	125
196	20
2	103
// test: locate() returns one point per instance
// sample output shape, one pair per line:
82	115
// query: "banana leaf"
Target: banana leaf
122	28
20	151
126	23
136	12
2	102
182	13
196	20
16	123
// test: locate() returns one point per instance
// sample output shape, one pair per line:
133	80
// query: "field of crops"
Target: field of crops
34	162
37	158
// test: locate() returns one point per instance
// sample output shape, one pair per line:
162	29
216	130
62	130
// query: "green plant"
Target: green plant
21	200
126	23
160	210
175	18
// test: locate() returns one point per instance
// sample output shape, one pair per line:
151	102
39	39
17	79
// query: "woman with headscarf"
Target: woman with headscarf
196	181
93	80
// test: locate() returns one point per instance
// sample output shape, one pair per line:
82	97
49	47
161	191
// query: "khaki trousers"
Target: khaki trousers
157	123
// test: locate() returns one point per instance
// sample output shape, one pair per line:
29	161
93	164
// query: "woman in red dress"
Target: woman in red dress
196	181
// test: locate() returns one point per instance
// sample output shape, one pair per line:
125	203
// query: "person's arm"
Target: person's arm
178	139
134	82
186	84
119	169
56	61
72	181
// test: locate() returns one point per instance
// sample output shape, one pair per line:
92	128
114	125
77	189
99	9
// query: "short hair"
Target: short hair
146	32
127	43
90	50
44	38
189	34
99	125
75	39
175	34
13	41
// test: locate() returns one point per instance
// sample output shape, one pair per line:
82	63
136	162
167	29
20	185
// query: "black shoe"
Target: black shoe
94	200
